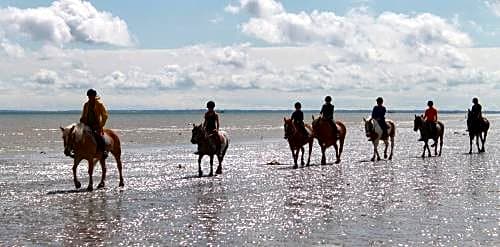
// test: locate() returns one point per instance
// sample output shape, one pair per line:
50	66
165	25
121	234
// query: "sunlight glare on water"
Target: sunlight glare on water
448	200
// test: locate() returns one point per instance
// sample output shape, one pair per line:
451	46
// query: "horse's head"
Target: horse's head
288	127
418	122
69	139
369	127
197	133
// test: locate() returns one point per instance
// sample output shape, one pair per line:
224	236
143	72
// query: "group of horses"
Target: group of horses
80	144
321	130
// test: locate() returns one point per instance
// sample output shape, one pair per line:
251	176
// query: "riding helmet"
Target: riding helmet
430	103
380	100
328	99
298	105
210	104
92	92
475	100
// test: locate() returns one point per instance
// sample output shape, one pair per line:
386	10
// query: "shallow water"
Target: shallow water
448	200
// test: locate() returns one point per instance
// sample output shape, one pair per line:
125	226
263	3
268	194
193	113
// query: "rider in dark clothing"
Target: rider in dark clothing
298	119
378	113
476	109
211	125
327	112
476	112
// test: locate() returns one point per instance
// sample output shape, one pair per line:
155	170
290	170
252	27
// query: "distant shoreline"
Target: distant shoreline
223	111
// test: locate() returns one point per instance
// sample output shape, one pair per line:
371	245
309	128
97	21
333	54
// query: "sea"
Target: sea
259	200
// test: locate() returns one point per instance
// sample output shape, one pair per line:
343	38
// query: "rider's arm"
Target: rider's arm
204	121
217	121
373	112
104	116
83	118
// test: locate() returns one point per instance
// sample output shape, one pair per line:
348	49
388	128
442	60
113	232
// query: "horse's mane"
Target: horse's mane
78	131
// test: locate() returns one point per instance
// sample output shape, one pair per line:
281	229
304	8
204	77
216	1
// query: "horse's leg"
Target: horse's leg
90	187
75	178
294	158
392	147
471	138
341	145
425	146
477	142
219	167
428	149
386	143
374	150
337	155
323	157
302	157
119	166
310	150
211	165
440	144
103	177
483	140
436	146
200	173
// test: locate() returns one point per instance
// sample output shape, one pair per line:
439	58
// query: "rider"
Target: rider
94	115
327	113
430	118
476	110
378	113
211	123
298	119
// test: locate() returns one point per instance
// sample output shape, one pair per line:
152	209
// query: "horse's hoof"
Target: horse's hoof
211	174
101	185
470	152
200	174
78	185
372	159
390	157
337	161
90	188
378	159
385	156
295	166
121	184
218	171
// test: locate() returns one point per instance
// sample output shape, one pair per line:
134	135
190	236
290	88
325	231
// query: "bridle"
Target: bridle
69	143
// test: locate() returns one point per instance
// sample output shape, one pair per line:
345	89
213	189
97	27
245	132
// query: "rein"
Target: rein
70	144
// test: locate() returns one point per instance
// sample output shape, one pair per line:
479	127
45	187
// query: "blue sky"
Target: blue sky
249	54
172	24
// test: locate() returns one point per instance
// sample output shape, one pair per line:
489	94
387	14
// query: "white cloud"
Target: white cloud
63	22
45	77
258	8
12	50
494	5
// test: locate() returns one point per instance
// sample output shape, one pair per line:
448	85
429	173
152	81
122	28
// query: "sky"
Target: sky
249	54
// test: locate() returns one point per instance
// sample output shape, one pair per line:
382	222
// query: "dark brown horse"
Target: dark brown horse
207	146
426	133
297	140
80	144
374	132
477	128
323	132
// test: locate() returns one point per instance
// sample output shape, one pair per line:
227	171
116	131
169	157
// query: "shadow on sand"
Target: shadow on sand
62	192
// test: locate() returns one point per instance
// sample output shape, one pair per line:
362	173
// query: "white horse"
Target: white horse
374	132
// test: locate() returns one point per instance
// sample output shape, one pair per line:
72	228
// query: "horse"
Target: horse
206	146
79	144
297	140
374	132
425	131
478	129
324	133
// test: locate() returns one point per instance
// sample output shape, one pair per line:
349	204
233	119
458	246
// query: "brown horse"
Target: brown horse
477	129
324	133
297	140
374	132
80	144
426	133
207	146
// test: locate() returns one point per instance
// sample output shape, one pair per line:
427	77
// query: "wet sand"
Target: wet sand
448	200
